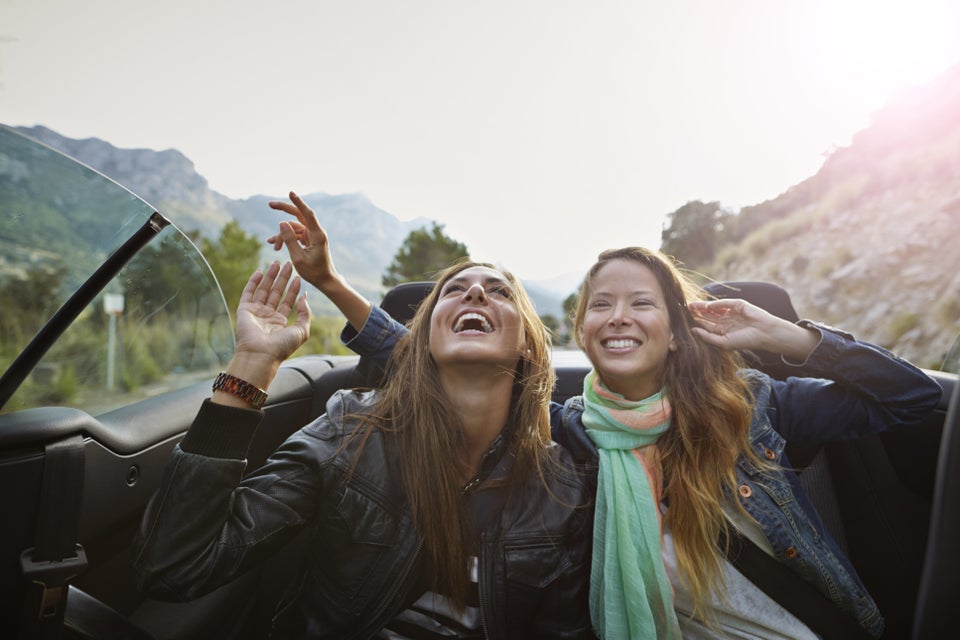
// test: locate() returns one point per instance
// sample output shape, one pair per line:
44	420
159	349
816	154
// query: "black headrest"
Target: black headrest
774	299
402	301
765	295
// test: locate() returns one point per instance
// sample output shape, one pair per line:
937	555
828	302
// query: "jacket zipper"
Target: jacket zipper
376	623
470	486
483	582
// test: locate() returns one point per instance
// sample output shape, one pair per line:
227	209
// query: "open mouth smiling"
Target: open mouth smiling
472	321
620	343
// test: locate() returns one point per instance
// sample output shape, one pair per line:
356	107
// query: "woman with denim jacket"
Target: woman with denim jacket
435	509
689	443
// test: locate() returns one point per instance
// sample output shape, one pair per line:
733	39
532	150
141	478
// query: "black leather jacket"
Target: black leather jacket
206	526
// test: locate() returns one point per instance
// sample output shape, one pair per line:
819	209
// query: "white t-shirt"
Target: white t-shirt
746	612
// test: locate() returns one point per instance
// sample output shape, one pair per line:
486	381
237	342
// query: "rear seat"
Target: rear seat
855	489
866	520
853	485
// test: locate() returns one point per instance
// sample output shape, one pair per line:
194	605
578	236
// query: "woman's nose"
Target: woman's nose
617	316
476	292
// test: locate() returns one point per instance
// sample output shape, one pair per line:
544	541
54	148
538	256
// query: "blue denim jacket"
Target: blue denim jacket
849	389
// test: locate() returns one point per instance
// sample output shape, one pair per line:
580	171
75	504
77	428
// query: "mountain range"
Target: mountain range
870	243
363	237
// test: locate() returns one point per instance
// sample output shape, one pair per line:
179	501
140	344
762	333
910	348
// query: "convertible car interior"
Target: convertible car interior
876	495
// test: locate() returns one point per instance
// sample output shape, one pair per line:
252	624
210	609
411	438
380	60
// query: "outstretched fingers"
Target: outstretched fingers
298	209
250	289
263	331
286	207
299	234
303	315
261	283
304	237
276	289
269	288
289	299
306	242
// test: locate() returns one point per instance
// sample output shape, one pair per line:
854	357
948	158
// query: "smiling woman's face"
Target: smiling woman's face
626	328
476	321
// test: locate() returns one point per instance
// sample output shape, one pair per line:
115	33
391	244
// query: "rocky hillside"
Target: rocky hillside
872	241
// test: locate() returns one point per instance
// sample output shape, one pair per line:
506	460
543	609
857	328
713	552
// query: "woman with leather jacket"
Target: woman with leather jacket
438	507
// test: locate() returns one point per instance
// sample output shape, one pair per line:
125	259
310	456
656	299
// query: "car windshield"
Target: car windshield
157	324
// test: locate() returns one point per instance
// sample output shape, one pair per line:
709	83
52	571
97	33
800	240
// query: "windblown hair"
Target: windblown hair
415	410
712	407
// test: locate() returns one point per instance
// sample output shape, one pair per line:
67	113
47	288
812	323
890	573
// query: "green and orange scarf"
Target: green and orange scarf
630	593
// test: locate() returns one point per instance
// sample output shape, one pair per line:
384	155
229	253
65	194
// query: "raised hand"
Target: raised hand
737	324
264	337
730	323
309	249
306	241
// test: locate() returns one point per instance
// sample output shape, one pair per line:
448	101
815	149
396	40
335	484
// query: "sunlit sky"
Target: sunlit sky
538	131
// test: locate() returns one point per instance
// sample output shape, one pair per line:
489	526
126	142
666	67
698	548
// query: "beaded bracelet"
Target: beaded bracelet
242	389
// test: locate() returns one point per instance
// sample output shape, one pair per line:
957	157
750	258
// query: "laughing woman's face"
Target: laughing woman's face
476	321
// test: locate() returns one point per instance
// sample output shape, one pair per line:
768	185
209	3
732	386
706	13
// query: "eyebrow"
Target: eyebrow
638	292
486	281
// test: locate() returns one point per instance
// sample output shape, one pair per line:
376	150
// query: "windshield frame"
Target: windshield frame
44	339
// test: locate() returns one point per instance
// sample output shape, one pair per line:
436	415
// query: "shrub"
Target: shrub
901	324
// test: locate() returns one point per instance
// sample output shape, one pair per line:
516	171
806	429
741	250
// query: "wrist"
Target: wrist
801	343
256	368
330	284
229	389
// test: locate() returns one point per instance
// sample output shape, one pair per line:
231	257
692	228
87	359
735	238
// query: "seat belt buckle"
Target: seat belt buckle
53	577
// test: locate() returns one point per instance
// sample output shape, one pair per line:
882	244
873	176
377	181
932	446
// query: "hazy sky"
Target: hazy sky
539	131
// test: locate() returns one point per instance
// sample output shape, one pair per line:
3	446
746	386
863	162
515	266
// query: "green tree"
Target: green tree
551	322
570	305
691	235
233	257
422	254
154	280
28	302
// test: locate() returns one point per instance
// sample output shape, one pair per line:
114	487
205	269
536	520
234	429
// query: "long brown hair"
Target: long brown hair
415	410
712	406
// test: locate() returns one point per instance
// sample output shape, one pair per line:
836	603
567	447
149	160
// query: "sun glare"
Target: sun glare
889	44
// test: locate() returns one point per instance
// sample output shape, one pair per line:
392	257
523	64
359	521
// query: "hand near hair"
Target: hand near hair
309	249
737	324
